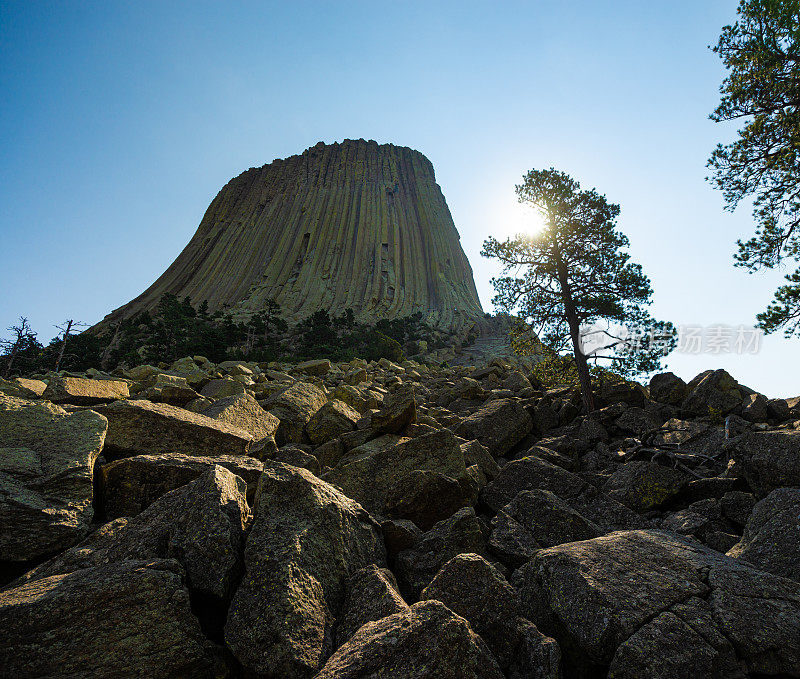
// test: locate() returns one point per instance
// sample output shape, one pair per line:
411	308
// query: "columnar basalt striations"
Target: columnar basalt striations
347	225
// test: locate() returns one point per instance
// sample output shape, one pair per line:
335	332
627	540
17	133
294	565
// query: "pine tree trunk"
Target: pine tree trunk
581	364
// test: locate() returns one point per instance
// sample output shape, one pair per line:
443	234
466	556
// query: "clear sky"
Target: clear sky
120	121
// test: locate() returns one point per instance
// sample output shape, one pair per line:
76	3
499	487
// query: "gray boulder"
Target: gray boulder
294	407
398	479
768	460
667	388
134	483
427	640
597	597
306	540
712	392
372	594
771	539
460	534
145	428
123	619
331	420
243	412
534	519
645	485
397	411
83	391
200	525
474	589
46	468
534	473
499	425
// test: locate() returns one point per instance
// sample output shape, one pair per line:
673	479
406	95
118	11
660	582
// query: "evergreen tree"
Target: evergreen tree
761	51
573	274
22	351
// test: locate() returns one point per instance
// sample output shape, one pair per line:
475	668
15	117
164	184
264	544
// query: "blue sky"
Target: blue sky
119	122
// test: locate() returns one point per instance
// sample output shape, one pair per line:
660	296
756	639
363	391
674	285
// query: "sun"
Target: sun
517	218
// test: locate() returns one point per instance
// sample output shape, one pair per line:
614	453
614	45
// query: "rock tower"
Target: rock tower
355	224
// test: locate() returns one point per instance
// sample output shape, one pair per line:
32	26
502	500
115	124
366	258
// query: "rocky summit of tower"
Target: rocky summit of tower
356	224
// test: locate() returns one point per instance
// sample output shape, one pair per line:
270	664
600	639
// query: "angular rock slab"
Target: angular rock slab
331	420
371	478
306	540
294	407
499	425
427	640
371	595
645	485
244	412
460	534
398	411
769	459
132	484
46	466
144	428
200	525
474	589
771	540
594	596
83	391
125	619
534	473
536	519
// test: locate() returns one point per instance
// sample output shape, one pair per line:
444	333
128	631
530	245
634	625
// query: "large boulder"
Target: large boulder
222	388
499	425
667	388
398	410
425	497
318	366
331	420
459	534
47	460
200	525
534	473
768	459
123	619
145	428
22	387
244	412
372	594
607	596
535	519
133	483
645	485
82	391
474	589
171	389
771	539
391	478
306	540
427	640
294	407
713	392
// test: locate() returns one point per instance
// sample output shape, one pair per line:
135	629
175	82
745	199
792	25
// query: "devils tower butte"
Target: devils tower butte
346	225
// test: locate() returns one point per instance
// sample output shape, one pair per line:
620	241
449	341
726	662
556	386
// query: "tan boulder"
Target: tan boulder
331	420
294	407
82	391
145	428
47	458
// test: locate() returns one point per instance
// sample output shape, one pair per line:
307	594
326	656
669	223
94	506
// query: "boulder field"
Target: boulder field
365	520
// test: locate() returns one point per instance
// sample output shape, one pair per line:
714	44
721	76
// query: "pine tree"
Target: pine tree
574	274
761	51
